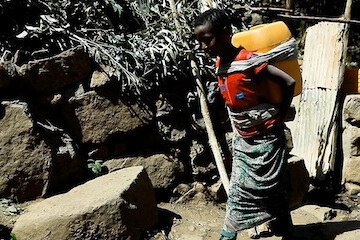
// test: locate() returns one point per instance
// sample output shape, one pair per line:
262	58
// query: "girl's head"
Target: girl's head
213	30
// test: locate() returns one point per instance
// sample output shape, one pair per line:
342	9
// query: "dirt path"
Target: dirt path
203	222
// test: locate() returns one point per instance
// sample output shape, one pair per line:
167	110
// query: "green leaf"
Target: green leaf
13	236
117	8
23	34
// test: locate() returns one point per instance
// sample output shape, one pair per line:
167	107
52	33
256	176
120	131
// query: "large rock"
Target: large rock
36	158
164	171
24	157
52	74
118	205
350	235
99	117
299	180
351	139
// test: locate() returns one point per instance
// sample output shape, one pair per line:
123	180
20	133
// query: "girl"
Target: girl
258	179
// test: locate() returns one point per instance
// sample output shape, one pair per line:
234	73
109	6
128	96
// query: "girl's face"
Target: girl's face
213	43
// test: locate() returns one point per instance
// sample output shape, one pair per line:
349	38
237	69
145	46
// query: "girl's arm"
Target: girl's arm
286	83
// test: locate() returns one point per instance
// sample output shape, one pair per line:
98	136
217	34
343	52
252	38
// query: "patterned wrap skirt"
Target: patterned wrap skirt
258	180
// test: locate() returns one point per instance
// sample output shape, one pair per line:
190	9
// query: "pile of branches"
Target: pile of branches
136	39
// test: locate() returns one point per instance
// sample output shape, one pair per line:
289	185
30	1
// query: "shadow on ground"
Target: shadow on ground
166	220
4	232
324	231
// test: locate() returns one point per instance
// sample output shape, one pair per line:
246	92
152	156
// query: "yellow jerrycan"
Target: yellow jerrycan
351	83
263	38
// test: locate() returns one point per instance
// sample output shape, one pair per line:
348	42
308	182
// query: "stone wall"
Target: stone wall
63	112
351	143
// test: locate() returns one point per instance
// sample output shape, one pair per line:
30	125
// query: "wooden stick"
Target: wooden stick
214	144
307	18
310	18
346	16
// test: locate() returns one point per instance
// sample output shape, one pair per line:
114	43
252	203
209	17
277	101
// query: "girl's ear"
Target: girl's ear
228	31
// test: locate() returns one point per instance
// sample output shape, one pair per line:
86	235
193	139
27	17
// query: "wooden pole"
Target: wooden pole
214	144
346	17
347	12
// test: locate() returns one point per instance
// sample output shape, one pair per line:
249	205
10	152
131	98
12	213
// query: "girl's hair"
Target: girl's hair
217	17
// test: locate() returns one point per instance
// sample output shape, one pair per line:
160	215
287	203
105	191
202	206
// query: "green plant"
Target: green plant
13	236
95	166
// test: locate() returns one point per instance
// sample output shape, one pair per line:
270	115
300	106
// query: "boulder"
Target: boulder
299	180
24	157
36	158
351	139
52	74
98	117
118	205
352	188
350	235
164	171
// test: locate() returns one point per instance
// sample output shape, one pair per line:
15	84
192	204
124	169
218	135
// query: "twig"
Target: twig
263	9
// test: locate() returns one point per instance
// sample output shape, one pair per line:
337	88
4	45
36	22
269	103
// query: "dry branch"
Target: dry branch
263	9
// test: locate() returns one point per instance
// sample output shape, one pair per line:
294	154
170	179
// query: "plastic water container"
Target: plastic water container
351	83
263	38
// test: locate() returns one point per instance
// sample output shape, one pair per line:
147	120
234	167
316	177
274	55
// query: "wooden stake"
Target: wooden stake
214	144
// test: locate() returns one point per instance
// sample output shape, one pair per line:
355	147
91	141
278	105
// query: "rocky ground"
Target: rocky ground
313	221
198	218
